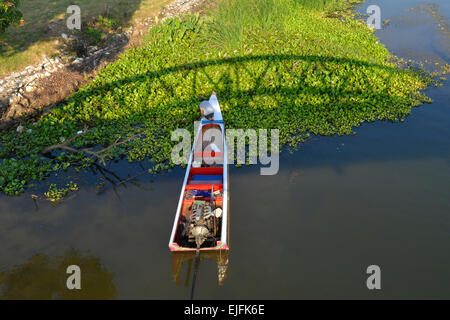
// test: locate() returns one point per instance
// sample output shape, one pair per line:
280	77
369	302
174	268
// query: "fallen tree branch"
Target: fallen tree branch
100	155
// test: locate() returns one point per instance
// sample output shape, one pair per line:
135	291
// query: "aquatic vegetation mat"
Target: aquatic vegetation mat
305	74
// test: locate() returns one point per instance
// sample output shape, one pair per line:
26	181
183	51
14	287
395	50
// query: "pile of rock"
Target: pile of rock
15	87
178	7
18	82
20	91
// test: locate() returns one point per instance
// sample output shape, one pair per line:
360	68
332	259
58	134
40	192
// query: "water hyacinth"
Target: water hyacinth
306	73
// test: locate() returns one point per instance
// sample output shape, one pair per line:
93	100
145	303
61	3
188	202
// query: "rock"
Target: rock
13	99
4	103
47	74
82	50
65	36
29	88
14	111
20	129
25	103
92	49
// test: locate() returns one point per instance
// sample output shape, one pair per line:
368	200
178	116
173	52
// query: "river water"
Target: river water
337	206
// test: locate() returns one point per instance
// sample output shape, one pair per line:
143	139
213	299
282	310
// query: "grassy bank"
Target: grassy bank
290	67
25	45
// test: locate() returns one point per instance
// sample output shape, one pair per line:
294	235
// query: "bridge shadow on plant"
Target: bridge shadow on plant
313	93
297	94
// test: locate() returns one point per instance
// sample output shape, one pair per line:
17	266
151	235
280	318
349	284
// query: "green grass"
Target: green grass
235	17
310	75
25	45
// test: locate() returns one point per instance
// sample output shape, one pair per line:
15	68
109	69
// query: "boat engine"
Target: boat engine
203	222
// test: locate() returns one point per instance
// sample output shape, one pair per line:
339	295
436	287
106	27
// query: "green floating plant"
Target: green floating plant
55	194
306	74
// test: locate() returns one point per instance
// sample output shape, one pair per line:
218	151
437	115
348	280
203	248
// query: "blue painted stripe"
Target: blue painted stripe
206	177
212	122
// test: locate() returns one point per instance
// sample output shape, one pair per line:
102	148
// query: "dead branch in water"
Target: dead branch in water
100	155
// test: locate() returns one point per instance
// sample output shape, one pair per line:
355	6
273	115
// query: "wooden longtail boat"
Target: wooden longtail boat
202	216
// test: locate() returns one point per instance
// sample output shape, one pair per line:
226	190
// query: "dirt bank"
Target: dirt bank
31	92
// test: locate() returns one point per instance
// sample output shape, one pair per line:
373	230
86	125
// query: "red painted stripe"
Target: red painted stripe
204	187
208	154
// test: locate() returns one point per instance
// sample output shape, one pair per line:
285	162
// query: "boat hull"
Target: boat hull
203	178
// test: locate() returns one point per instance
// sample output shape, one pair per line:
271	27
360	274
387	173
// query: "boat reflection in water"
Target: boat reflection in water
179	259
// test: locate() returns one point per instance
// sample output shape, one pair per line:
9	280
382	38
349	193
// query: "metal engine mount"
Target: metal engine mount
203	222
